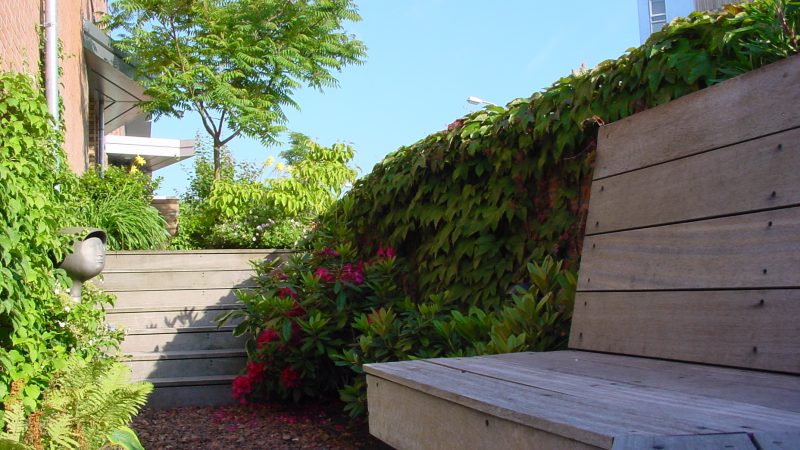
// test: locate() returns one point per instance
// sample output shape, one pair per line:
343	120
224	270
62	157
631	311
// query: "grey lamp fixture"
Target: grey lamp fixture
88	258
477	101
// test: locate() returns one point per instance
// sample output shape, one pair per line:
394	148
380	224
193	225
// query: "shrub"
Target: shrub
119	203
40	325
243	209
33	209
314	321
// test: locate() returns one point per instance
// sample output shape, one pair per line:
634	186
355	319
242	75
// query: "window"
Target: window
658	15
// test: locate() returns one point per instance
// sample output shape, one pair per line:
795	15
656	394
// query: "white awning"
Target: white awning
112	77
157	153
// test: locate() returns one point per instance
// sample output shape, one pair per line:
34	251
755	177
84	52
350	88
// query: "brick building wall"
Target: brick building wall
20	28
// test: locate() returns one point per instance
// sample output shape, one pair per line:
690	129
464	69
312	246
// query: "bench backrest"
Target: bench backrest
692	247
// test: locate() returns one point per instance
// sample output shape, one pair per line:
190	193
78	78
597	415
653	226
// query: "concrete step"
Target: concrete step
194	395
181	339
175	298
175	279
168	317
175	364
192	259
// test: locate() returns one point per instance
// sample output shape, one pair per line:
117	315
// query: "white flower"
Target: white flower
67	309
61	324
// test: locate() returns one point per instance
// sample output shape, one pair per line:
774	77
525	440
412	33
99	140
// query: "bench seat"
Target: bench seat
576	399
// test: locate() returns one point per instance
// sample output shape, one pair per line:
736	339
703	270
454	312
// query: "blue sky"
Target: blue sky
425	57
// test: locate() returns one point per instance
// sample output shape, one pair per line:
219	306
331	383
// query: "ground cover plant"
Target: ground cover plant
467	242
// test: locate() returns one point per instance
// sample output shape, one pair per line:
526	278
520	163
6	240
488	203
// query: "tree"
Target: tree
235	62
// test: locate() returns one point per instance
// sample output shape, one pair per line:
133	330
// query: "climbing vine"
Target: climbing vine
470	205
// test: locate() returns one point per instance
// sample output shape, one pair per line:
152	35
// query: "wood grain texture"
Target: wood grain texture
726	181
751	329
549	396
777	440
779	391
647	404
755	104
759	250
407	419
730	441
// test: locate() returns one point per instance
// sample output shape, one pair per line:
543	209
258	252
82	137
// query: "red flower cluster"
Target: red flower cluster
243	385
352	274
266	336
386	252
323	274
290	378
287	292
329	253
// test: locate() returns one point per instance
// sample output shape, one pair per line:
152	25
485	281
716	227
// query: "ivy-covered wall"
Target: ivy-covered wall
470	205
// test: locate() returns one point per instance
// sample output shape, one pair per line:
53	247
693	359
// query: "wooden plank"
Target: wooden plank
409	419
755	104
729	441
777	440
759	250
722	182
751	329
578	418
779	391
648	405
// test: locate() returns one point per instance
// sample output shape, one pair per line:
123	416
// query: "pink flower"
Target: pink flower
353	274
329	253
290	378
255	370
323	274
287	292
242	386
386	252
266	336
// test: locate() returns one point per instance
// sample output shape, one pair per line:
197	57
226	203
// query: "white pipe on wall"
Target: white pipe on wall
51	58
51	64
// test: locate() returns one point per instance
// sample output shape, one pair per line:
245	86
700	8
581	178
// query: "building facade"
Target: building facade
100	97
654	14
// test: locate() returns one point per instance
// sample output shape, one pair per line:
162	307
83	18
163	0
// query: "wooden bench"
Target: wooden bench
686	331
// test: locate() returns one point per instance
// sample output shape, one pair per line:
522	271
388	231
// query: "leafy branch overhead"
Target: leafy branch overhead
236	63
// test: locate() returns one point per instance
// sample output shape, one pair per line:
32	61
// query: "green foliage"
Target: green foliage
40	325
237	63
469	206
87	406
243	209
31	213
119	203
314	321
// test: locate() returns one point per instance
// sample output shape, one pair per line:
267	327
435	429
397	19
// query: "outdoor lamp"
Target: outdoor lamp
477	101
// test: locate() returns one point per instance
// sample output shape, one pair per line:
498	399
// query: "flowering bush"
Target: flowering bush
302	313
314	321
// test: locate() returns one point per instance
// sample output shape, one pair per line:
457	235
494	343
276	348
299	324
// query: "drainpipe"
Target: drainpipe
100	153
51	63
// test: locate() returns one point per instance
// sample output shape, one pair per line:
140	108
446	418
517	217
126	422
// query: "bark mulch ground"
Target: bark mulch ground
253	427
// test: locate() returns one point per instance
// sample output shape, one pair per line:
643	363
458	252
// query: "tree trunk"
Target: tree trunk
217	150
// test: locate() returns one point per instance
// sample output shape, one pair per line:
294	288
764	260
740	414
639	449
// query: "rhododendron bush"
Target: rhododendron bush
316	319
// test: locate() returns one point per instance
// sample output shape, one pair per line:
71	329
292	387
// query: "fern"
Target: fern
85	404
